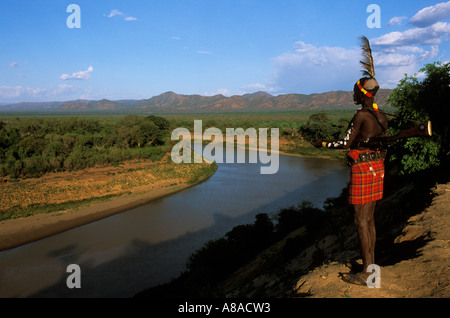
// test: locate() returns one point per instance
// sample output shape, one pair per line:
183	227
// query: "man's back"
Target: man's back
367	123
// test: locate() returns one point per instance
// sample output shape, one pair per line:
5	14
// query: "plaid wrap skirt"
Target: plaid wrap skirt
366	182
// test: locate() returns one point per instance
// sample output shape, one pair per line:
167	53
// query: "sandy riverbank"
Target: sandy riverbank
17	232
127	186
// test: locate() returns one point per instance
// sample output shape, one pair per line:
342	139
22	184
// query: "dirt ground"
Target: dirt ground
424	276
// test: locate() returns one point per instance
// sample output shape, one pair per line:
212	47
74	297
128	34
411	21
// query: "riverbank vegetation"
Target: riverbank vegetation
31	147
68	190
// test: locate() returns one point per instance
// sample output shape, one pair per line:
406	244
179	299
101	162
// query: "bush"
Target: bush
35	166
319	126
421	101
305	214
217	258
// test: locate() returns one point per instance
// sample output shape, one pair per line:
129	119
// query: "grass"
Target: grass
33	209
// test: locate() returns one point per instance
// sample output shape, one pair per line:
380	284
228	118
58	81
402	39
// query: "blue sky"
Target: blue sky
138	49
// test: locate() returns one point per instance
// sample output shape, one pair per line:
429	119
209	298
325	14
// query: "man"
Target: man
367	165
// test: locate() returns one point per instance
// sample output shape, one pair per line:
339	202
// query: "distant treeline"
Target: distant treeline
31	147
310	125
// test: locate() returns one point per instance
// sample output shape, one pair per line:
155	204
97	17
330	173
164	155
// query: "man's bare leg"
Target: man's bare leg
365	228
372	231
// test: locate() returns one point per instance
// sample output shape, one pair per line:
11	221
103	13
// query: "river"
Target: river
146	246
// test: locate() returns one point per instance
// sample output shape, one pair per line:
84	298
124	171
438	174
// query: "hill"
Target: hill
171	102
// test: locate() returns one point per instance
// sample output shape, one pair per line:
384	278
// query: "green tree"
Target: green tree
423	100
319	126
161	122
291	218
30	146
148	132
54	149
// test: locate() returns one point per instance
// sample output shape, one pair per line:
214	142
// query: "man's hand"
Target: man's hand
317	143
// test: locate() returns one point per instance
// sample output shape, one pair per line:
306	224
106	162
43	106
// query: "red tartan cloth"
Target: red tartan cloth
366	182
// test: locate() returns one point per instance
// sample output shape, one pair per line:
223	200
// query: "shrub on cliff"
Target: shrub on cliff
422	100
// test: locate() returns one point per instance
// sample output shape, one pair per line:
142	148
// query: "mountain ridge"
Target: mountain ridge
171	102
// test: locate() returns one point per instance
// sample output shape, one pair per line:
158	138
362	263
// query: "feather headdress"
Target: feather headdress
367	61
371	83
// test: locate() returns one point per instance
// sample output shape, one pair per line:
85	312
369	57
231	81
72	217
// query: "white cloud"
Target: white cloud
88	94
430	35
81	75
62	92
204	52
396	21
394	59
224	91
176	38
12	92
430	15
391	66
427	55
399	53
13	64
310	69
403	56
64	89
255	87
7	92
406	49
221	91
35	91
114	13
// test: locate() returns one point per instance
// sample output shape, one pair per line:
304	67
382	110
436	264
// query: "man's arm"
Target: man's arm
350	136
